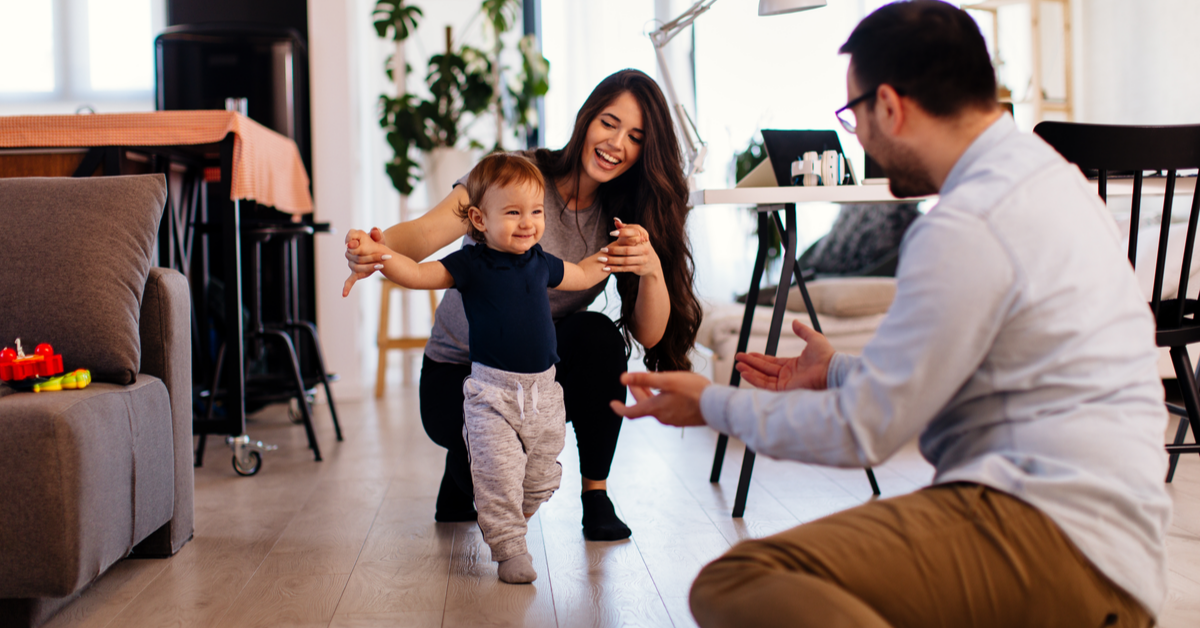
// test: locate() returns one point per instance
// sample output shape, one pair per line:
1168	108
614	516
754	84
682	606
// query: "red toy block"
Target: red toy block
45	363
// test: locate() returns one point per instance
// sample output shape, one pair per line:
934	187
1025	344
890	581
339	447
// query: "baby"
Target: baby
514	417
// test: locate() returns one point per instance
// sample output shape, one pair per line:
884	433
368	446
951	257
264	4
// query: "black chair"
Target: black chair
1136	153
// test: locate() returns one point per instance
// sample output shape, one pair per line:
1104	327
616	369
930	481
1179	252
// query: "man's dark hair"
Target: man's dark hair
927	50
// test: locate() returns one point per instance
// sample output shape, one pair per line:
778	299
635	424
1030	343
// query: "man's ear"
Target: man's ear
890	110
475	215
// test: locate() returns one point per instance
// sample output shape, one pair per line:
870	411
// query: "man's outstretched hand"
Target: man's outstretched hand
809	371
677	403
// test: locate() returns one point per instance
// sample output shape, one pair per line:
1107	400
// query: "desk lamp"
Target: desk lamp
696	148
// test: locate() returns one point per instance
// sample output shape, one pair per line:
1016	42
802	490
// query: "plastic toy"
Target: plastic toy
74	380
16	366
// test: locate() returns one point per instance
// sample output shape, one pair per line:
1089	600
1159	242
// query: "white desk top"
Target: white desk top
798	194
878	193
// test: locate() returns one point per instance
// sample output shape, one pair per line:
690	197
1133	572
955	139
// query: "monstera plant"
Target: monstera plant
464	84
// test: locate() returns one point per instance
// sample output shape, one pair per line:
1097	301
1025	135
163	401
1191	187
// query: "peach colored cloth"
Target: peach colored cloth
266	165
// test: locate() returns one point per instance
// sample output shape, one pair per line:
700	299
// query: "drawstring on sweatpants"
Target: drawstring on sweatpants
533	393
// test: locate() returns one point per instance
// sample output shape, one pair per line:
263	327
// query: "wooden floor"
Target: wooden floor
351	542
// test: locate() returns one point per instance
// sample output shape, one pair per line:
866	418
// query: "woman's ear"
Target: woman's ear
475	215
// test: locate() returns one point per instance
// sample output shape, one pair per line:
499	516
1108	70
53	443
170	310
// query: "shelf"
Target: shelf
1041	106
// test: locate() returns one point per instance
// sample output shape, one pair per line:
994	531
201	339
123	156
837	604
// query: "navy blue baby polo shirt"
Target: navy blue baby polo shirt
507	309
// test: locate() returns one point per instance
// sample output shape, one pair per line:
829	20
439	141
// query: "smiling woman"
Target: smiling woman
620	176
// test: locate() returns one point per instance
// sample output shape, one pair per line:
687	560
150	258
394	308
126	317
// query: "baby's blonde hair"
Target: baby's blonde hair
496	170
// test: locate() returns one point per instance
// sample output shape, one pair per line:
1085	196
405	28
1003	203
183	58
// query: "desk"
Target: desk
770	202
244	159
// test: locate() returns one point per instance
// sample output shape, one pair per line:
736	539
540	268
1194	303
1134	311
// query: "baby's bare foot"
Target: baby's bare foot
518	570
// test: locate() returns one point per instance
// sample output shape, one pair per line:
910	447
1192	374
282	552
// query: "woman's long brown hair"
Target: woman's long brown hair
653	194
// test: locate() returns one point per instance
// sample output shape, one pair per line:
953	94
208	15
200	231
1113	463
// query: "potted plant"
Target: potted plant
463	83
743	162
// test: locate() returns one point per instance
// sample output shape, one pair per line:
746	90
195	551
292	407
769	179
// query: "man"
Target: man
1019	348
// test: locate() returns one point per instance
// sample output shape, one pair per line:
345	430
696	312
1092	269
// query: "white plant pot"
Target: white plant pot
444	166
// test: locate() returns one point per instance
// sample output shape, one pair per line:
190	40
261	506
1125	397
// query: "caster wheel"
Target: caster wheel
255	459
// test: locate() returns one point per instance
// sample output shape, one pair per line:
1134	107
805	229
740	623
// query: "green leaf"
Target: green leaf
404	173
501	14
746	160
401	19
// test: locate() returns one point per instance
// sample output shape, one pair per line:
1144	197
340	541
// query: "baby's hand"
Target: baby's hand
594	261
354	277
365	254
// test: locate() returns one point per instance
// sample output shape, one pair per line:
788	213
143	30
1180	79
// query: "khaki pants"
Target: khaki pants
953	556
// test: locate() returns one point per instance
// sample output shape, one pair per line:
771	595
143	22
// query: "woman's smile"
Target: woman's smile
607	160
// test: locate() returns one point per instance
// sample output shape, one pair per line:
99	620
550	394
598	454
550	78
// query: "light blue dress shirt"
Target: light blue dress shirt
1021	351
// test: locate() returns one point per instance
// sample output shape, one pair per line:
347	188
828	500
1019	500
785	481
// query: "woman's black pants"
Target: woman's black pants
591	355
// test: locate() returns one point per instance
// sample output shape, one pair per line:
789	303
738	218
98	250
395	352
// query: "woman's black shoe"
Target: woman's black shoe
600	522
453	504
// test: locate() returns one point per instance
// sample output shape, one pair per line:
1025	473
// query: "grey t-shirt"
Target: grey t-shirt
570	235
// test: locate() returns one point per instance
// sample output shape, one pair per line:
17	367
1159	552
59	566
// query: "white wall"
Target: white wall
1139	62
338	180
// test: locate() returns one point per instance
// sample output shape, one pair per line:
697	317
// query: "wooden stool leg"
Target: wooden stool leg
403	342
405	325
381	340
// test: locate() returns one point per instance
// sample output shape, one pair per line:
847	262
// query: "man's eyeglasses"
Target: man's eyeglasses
846	116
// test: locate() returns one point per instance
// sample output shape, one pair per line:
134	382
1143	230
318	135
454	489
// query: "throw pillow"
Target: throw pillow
74	256
862	234
846	297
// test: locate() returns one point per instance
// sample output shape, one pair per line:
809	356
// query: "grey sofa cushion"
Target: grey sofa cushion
84	300
98	461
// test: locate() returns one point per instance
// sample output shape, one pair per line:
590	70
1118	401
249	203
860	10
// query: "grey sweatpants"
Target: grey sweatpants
514	425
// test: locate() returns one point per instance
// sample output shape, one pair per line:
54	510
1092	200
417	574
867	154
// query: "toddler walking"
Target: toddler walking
514	417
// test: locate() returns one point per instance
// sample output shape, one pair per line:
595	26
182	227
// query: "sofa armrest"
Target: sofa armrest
166	341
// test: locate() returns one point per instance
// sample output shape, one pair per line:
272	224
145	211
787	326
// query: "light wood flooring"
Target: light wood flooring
351	542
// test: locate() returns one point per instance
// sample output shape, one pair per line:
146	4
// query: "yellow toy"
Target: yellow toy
71	381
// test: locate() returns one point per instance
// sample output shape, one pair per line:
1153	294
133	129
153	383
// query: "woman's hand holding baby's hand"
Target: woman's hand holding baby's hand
632	251
359	249
363	255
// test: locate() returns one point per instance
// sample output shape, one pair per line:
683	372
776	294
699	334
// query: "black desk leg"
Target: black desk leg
235	359
760	264
788	236
816	325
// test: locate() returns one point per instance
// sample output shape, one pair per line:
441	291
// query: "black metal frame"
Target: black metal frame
285	333
1131	151
768	218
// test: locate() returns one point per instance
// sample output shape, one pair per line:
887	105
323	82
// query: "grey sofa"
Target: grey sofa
89	477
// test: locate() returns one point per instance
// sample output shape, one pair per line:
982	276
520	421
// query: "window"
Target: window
59	55
27	47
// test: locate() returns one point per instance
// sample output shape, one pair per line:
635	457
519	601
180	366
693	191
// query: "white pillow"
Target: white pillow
846	297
